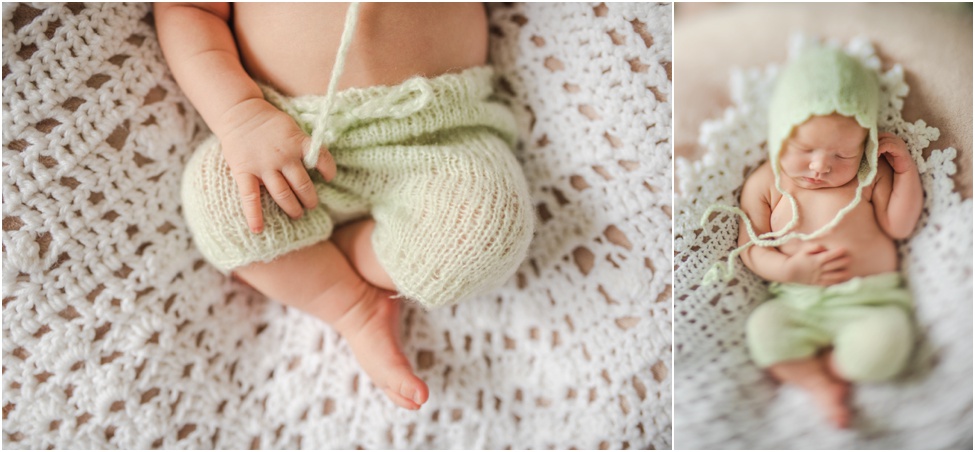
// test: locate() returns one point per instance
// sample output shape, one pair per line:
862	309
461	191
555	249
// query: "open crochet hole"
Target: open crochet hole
18	145
639	387
538	41
625	323
659	371
543	214
424	359
600	10
665	295
629	165
156	94
47	125
12	223
117	138
640	29
589	112
617	38
23	16
571	88
26	51
554	64
148	395
118	59
624	405
617	237
578	182
584	259
637	66
519	19
613	141
97	80
657	94
136	39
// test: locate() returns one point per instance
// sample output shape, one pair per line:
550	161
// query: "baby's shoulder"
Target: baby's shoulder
760	180
758	188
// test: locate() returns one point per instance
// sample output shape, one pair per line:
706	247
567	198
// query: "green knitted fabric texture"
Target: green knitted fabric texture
429	159
819	82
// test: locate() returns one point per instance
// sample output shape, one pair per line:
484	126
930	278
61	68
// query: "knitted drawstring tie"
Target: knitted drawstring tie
402	101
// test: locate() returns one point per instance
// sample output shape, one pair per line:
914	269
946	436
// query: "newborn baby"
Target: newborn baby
331	193
824	211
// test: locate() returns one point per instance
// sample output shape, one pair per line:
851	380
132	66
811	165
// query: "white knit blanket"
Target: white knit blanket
725	401
116	334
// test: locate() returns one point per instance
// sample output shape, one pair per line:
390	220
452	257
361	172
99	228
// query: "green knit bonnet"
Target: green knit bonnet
819	82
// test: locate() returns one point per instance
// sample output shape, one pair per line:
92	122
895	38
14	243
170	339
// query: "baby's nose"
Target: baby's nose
819	165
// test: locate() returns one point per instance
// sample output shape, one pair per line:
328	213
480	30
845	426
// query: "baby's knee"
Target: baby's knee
768	322
875	348
773	335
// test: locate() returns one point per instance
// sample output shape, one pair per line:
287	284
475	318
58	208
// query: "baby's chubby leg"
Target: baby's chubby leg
319	280
813	375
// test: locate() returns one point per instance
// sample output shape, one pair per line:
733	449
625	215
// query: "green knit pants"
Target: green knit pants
430	160
866	320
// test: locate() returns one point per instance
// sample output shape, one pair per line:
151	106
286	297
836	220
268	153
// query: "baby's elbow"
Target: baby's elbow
899	230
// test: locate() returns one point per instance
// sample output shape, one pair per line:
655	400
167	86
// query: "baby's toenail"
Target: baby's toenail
417	398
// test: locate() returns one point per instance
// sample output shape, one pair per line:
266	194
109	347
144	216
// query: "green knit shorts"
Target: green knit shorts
430	160
866	320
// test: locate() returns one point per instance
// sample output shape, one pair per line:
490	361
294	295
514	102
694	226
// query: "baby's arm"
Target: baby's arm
811	264
261	144
897	196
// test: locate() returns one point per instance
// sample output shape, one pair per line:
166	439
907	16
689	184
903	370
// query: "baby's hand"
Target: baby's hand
265	147
893	148
815	265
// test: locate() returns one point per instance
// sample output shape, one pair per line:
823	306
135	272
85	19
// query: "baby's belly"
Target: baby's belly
293	46
871	251
867	257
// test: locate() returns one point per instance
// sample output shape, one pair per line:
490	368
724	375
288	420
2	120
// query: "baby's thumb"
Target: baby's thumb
325	163
813	248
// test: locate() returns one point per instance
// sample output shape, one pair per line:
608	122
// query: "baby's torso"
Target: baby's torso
293	46
870	249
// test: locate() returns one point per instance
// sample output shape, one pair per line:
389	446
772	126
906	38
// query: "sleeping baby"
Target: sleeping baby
822	216
332	193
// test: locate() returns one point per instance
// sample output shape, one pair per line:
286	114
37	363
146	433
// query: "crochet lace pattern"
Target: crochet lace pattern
116	334
722	399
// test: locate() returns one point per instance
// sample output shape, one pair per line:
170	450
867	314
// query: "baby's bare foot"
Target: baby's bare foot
831	397
371	328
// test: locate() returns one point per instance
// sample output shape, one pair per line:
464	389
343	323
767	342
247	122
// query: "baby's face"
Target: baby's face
823	152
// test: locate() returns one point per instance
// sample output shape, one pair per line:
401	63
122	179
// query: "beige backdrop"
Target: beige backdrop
933	42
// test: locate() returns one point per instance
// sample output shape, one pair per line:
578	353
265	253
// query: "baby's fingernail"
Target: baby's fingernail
417	398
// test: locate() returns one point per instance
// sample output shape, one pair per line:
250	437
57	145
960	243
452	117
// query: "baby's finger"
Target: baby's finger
832	254
250	200
326	165
281	192
836	264
302	185
811	248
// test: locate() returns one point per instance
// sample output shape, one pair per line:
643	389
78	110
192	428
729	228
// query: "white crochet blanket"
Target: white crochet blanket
117	335
725	401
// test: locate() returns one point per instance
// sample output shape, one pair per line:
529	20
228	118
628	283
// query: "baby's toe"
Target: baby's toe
406	389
